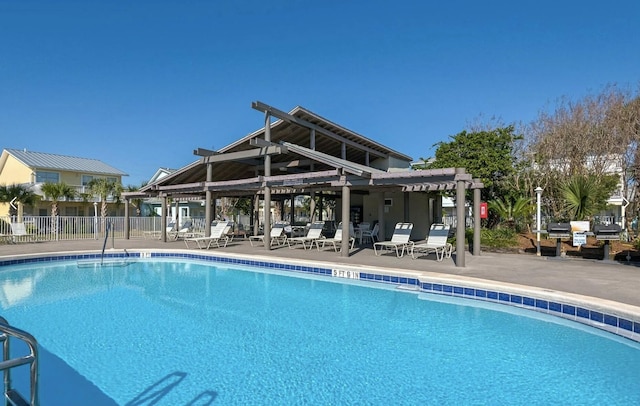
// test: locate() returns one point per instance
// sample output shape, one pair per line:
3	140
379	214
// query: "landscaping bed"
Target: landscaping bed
592	250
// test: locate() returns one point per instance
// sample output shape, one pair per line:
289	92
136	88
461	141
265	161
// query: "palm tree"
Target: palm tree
56	192
136	202
16	193
585	196
103	188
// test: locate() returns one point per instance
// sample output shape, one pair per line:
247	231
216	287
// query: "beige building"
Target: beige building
32	169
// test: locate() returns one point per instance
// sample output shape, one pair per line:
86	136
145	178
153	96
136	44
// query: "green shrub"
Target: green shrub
499	237
495	238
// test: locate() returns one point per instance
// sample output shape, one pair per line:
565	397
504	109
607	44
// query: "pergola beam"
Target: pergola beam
243	155
304	123
204	152
296	163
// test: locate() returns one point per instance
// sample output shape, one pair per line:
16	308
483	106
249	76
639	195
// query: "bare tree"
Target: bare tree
596	135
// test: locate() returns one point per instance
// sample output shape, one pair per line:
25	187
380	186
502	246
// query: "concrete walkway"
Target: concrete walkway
604	280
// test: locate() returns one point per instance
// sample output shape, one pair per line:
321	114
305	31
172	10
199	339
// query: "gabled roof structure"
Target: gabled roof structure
161	173
46	161
307	152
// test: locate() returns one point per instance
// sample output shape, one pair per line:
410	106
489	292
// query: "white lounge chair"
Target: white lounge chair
158	234
399	240
314	233
19	230
183	232
336	241
277	235
218	237
436	242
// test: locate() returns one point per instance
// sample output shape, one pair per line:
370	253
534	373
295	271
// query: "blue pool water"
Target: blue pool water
188	333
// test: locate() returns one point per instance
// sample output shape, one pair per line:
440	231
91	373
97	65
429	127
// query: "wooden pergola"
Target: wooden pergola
303	153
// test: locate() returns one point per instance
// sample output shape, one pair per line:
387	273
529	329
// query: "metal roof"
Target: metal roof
43	160
293	133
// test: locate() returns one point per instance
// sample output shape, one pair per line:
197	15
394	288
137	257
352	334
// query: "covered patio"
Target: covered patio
301	153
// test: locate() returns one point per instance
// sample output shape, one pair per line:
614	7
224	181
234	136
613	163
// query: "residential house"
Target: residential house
186	208
20	166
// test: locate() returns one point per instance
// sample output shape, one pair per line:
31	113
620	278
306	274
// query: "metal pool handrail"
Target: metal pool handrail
104	245
7	363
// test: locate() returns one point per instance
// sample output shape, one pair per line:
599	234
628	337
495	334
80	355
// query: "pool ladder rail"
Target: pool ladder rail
12	397
110	262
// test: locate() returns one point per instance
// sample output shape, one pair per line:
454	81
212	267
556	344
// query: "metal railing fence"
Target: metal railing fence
66	228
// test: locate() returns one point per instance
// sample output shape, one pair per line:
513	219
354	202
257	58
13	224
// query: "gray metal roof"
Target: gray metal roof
296	134
42	160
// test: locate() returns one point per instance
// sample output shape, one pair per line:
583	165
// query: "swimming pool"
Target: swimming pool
192	332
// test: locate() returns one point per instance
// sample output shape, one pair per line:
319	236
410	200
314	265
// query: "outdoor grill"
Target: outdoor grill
559	231
606	233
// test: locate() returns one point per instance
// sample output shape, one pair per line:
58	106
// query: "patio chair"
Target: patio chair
314	233
182	232
277	235
237	231
336	241
371	234
399	240
218	237
361	229
158	234
19	230
436	242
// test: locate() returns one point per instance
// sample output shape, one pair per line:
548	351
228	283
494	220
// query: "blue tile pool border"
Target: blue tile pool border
596	318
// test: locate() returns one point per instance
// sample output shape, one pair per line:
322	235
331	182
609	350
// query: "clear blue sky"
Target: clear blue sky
140	84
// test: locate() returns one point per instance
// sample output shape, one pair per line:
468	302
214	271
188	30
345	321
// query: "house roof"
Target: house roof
47	161
161	173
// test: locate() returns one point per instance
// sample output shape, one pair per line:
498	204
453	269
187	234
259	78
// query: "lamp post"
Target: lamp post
538	191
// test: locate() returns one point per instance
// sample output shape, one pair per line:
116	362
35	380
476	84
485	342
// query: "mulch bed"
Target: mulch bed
594	249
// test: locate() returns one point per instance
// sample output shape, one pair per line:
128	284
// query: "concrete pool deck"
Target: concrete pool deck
610	281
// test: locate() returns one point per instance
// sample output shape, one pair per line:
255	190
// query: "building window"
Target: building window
53	177
86	179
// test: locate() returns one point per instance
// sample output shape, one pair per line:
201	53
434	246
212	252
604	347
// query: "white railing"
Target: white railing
63	228
452	220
